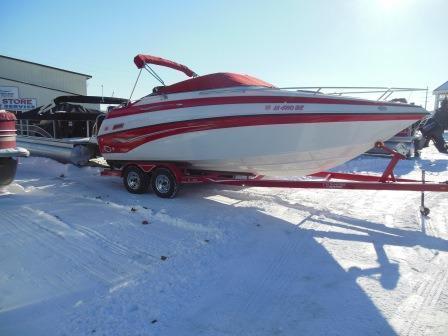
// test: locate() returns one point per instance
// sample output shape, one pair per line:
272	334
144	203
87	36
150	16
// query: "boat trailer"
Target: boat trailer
166	177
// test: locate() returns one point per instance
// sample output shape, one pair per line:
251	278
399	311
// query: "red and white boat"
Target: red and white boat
237	123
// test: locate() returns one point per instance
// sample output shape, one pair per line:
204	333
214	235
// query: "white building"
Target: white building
440	94
26	85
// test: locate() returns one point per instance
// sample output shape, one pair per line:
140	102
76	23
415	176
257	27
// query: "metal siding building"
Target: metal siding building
36	81
440	93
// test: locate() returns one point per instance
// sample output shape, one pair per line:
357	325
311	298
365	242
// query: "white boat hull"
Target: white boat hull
293	149
267	132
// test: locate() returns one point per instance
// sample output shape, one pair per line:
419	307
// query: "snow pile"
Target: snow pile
81	256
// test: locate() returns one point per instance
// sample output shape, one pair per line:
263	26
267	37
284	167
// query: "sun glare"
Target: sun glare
389	4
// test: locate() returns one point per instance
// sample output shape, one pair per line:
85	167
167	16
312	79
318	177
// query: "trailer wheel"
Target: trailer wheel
135	180
163	183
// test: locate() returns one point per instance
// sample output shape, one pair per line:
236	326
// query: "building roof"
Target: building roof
443	87
46	66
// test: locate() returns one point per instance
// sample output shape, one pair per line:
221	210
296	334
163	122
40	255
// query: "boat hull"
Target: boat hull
283	149
267	132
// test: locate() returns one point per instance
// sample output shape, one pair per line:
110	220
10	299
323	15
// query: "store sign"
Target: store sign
18	104
9	92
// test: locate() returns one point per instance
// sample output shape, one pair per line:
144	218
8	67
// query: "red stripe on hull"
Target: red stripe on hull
124	141
177	104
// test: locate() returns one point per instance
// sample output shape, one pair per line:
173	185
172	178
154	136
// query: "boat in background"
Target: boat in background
65	129
405	142
237	123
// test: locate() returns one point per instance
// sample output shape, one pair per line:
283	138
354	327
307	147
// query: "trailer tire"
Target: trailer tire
164	183
135	180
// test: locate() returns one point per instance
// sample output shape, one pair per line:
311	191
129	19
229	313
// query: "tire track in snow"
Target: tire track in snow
411	315
409	318
107	244
161	216
258	297
21	229
66	249
8	228
423	302
133	254
82	254
166	243
117	248
290	249
295	246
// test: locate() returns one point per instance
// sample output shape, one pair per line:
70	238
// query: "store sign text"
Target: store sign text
18	104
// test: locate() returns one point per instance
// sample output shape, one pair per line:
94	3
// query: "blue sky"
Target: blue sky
287	43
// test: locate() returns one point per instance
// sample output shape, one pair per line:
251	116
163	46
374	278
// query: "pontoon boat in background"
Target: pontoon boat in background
62	130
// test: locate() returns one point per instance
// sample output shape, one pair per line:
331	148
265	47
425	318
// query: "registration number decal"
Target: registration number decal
284	107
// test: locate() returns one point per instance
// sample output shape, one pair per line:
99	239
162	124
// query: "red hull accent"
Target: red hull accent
185	103
124	141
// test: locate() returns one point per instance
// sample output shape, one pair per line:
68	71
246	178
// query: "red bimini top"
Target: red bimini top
213	81
141	61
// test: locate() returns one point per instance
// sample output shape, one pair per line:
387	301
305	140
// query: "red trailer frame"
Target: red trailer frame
181	174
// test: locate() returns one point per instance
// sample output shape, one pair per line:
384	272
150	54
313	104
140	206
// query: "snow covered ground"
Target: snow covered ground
77	259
